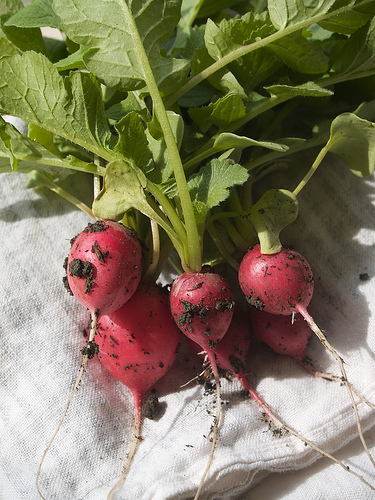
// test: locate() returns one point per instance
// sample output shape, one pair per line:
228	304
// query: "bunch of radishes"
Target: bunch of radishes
133	322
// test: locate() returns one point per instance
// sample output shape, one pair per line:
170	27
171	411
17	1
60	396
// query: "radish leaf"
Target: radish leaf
112	55
353	139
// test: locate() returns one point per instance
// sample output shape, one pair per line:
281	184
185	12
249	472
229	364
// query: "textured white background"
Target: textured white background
40	341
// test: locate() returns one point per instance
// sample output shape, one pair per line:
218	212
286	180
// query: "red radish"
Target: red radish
138	344
288	335
232	350
104	266
282	283
202	307
230	355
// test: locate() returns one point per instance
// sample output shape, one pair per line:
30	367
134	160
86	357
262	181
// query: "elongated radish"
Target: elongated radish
103	271
283	283
138	344
202	307
230	355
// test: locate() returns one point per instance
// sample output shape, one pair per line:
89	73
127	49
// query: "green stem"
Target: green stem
194	257
64	194
312	169
221	247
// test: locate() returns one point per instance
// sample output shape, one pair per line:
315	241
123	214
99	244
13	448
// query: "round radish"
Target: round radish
104	266
288	335
138	344
279	283
202	307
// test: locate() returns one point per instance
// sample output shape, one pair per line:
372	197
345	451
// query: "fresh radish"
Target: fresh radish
138	344
287	335
103	271
283	283
104	266
202	307
230	355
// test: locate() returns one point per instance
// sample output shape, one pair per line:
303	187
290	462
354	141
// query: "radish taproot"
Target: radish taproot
283	283
202	307
230	355
138	344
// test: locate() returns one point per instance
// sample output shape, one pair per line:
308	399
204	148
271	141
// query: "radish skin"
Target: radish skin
104	269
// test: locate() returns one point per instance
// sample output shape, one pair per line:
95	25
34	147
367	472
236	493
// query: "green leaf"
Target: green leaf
223	79
32	89
348	22
308	89
37	14
358	53
18	152
285	13
353	139
227	140
132	142
72	61
225	110
211	186
131	103
300	54
6	46
123	188
24	38
113	56
229	36
163	167
275	210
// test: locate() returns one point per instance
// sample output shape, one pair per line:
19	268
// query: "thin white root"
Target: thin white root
216	424
136	439
335	378
288	429
314	327
85	358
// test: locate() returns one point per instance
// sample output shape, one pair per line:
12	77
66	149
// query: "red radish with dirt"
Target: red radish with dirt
137	344
202	307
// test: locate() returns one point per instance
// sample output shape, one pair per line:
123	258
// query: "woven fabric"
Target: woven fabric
41	337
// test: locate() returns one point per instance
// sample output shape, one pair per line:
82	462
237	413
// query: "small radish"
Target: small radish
230	355
283	283
202	307
287	335
138	344
104	266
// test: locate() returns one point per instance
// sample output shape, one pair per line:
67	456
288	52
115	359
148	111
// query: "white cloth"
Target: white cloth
40	342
